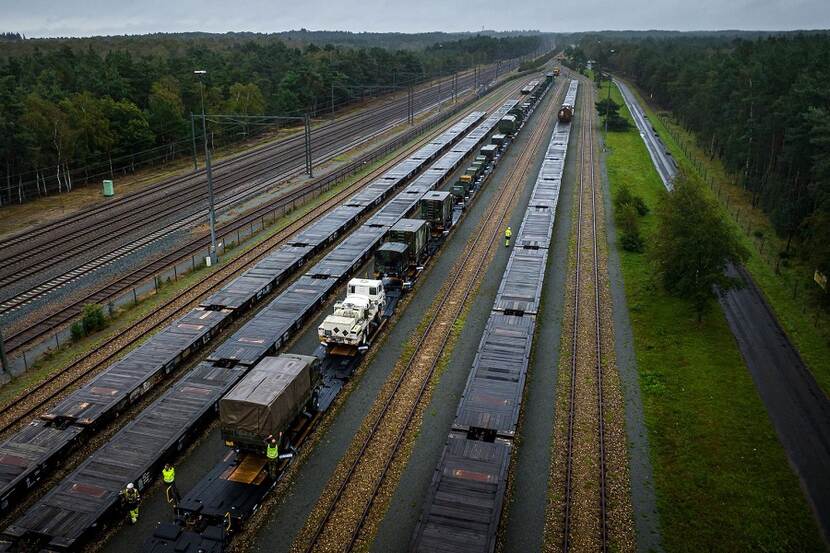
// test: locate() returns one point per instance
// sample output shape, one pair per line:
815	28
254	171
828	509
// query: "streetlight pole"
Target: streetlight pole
608	102
211	211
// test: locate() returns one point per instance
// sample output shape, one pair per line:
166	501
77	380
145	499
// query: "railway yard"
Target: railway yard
418	348
141	234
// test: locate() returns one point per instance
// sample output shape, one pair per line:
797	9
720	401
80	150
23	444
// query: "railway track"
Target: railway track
40	329
36	398
343	519
152	208
585	517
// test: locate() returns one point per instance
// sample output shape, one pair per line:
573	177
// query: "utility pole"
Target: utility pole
411	105
211	211
308	167
608	101
193	136
607	107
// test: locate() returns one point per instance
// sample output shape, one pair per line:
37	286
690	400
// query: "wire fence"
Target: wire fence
793	277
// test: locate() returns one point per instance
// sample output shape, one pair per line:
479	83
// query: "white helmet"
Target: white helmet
130	486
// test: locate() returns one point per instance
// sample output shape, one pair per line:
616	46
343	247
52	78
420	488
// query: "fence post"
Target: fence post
4	362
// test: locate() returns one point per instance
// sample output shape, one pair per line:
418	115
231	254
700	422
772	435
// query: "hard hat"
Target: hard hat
130	486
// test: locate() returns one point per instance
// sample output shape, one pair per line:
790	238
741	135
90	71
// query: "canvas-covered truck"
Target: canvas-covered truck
508	124
267	400
461	188
436	208
392	261
356	318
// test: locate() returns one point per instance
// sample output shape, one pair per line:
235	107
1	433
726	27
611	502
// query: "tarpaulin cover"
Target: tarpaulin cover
266	400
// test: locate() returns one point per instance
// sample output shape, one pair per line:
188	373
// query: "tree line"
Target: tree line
762	106
69	116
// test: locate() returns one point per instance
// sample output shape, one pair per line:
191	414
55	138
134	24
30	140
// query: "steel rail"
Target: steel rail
258	174
521	164
396	106
32	333
587	143
228	272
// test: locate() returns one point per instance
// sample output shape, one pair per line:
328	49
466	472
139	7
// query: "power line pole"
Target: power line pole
193	136
308	167
607	108
211	211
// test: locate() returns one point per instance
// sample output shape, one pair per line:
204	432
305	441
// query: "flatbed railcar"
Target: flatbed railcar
462	508
267	331
530	87
24	461
466	494
89	496
521	288
217	506
37	448
566	112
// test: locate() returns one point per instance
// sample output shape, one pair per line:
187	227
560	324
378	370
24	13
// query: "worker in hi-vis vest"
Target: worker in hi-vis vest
272	453
507	234
168	474
130	497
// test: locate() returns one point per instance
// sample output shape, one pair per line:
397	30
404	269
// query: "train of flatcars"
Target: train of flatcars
213	510
464	502
63	518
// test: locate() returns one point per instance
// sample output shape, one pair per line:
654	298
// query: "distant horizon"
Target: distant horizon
47	19
413	33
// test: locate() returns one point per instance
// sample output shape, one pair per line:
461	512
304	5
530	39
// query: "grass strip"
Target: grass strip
721	476
789	290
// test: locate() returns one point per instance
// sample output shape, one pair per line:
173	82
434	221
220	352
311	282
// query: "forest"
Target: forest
70	116
761	105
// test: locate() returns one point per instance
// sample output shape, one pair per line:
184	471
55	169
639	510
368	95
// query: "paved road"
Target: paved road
798	408
662	159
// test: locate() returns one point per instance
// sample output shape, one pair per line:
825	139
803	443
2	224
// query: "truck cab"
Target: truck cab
355	318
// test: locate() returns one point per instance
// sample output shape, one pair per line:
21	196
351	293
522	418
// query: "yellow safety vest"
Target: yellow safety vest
507	233
272	451
169	475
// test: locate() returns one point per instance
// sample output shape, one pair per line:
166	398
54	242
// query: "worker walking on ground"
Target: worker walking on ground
507	234
168	473
272	453
131	498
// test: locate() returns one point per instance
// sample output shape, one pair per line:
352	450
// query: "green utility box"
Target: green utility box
109	188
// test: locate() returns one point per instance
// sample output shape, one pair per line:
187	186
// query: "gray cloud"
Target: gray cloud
39	18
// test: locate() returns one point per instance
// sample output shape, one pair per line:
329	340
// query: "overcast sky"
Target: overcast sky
39	18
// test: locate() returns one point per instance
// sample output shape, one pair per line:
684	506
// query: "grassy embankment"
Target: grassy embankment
789	290
721	476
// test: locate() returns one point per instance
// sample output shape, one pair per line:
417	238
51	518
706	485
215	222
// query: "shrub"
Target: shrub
625	197
77	331
630	238
93	319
